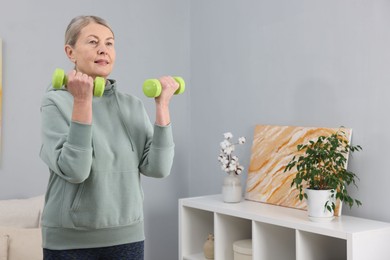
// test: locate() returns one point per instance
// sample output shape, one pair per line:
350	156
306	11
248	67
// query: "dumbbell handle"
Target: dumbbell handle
152	87
59	79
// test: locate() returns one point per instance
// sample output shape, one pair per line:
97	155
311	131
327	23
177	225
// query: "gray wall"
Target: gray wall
152	39
303	63
306	63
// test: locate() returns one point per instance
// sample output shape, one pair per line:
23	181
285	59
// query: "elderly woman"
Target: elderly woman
96	149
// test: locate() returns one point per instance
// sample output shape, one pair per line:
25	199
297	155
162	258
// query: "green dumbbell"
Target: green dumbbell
59	79
152	87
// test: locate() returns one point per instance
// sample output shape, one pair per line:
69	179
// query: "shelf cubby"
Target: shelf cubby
268	239
227	230
311	246
197	225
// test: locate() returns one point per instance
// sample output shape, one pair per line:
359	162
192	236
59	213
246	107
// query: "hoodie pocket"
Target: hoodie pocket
108	200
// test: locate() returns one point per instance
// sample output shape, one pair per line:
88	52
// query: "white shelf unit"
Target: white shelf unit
277	233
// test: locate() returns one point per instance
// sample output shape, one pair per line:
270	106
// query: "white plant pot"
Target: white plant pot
316	200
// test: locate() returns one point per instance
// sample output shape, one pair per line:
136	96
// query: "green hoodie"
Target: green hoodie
94	197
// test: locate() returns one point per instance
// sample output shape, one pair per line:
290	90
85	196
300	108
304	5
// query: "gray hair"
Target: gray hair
78	23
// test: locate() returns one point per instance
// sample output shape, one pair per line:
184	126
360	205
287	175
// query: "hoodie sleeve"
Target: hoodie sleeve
66	145
158	154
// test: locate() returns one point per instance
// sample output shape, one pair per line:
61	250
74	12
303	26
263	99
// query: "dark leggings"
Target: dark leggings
132	251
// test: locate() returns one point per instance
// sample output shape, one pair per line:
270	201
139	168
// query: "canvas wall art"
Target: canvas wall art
1	86
272	149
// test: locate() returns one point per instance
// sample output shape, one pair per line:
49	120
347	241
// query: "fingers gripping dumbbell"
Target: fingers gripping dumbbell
152	87
59	79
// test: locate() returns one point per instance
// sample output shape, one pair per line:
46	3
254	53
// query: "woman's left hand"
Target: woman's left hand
168	88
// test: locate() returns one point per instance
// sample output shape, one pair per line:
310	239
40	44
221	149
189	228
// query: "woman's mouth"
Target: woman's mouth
102	62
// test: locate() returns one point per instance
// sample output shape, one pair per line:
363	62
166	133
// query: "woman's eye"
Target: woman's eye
109	43
93	42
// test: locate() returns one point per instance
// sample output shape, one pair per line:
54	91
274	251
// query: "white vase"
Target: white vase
232	190
316	200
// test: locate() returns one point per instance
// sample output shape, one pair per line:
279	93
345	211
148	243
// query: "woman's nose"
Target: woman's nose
102	49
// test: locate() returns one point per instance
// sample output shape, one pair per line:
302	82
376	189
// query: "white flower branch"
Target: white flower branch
229	162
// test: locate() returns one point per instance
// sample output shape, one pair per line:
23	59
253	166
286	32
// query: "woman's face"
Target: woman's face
94	51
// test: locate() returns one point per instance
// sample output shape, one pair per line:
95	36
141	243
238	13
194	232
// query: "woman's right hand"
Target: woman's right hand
80	85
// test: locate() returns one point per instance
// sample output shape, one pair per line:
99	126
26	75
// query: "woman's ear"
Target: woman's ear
69	52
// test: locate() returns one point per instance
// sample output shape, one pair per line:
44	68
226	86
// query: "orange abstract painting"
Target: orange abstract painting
272	149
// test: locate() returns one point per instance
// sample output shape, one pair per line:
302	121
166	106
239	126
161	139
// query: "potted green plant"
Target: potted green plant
321	168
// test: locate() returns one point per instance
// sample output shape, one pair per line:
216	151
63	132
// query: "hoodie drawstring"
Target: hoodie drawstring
123	121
